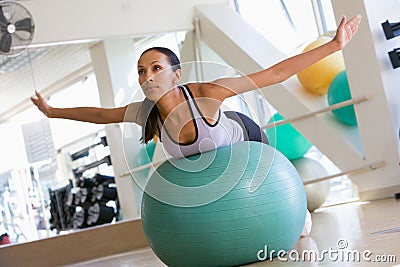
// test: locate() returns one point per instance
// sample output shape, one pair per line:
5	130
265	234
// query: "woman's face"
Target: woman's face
156	76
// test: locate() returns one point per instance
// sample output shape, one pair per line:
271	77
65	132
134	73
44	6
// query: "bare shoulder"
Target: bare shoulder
208	90
132	112
208	99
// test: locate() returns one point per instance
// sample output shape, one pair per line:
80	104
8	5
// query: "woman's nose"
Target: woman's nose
149	77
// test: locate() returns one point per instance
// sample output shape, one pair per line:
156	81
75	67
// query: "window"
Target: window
327	16
286	24
289	24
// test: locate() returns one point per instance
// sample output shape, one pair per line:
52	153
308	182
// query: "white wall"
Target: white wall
370	73
390	77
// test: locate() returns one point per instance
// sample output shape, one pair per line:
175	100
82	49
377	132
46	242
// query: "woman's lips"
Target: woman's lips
150	88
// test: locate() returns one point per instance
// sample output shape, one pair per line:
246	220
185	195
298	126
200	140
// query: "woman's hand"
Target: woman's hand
41	104
346	31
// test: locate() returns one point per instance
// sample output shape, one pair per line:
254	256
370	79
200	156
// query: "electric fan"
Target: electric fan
16	26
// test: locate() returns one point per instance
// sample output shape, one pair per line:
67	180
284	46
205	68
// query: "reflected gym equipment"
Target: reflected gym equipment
103	179
104	193
78	172
99	214
79	218
85	151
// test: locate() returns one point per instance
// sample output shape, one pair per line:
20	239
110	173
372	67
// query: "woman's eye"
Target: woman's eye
156	67
140	72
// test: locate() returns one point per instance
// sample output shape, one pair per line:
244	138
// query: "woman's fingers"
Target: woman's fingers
34	100
349	32
39	102
342	22
354	22
39	96
347	29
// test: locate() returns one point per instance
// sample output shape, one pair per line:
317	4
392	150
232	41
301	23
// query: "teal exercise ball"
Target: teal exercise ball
146	153
231	206
339	91
145	156
287	139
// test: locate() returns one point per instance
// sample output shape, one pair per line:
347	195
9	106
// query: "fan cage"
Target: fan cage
19	19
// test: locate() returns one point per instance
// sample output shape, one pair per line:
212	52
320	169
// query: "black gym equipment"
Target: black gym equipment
395	57
61	213
100	214
85	151
77	198
79	218
86	194
391	30
85	182
103	179
87	200
104	193
78	172
70	200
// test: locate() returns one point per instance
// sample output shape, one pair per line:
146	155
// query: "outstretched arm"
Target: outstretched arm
288	67
86	114
293	65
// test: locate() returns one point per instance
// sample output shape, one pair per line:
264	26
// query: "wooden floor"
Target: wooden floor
370	230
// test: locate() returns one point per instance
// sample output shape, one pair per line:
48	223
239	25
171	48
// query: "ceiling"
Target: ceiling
37	69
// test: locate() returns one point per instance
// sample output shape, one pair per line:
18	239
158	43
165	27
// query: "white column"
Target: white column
114	63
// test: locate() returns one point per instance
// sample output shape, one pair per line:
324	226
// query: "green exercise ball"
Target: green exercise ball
287	139
339	91
145	156
231	206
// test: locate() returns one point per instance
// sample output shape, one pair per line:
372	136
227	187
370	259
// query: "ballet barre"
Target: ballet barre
313	113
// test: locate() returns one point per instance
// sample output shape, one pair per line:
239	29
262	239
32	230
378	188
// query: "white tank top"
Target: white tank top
223	132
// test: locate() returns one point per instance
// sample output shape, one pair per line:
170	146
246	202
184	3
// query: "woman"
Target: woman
187	118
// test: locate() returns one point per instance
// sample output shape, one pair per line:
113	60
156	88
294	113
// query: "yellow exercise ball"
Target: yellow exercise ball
318	76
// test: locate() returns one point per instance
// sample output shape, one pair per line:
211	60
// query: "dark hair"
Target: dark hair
148	111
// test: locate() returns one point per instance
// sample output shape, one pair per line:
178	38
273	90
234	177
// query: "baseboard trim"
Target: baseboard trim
79	246
379	193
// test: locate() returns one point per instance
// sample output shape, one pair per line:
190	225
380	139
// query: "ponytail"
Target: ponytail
148	114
